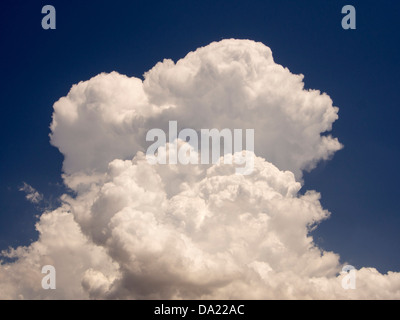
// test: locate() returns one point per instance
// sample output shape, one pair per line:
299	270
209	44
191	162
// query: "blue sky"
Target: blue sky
357	68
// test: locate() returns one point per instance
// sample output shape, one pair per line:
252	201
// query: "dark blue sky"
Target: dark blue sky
359	69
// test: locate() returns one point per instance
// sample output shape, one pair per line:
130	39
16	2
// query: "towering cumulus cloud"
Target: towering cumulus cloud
136	230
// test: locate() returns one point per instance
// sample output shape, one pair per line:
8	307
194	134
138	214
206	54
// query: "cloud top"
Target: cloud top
227	84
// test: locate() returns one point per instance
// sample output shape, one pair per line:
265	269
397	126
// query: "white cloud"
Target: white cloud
61	244
142	231
227	84
31	194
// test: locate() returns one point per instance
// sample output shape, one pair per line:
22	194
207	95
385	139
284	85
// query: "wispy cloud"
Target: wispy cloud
31	194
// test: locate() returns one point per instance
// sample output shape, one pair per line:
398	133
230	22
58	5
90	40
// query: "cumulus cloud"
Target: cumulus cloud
228	84
141	231
61	244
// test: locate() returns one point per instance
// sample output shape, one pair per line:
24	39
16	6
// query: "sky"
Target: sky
358	69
